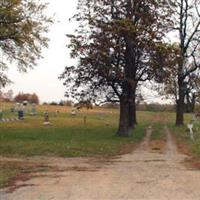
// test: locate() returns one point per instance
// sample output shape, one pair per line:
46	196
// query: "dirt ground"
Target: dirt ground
143	174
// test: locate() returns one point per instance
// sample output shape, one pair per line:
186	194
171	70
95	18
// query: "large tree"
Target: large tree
23	25
187	25
191	89
115	44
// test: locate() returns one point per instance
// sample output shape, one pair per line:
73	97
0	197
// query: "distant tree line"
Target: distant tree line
60	103
152	107
8	96
30	98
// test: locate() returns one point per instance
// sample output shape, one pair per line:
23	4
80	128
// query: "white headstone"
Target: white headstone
73	112
190	127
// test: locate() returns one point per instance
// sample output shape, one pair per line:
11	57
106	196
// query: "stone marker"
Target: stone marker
12	109
25	103
190	127
56	113
21	112
198	115
46	118
73	112
33	110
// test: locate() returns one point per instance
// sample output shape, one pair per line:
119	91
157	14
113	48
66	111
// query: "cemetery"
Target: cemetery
99	100
82	135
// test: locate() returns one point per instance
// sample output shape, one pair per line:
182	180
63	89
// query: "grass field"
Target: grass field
68	136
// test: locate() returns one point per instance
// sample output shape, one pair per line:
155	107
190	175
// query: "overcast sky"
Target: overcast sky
43	80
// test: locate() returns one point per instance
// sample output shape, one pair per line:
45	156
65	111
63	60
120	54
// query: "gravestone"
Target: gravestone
56	113
198	115
46	118
73	112
25	103
21	112
33	110
190	128
12	109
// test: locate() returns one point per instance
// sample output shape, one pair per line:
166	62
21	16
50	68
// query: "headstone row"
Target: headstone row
9	120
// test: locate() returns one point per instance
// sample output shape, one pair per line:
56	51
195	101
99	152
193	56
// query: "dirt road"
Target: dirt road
143	175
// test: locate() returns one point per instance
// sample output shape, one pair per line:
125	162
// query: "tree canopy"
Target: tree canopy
185	59
116	43
31	98
23	28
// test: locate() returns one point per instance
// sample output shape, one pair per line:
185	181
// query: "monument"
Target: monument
46	118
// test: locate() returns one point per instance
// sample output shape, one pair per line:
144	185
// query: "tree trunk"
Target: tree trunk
130	73
193	101
124	128
180	105
132	113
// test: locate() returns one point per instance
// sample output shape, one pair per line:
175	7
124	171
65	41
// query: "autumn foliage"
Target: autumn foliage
31	98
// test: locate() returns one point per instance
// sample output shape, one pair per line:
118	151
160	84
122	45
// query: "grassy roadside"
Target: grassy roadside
68	136
185	144
158	138
158	132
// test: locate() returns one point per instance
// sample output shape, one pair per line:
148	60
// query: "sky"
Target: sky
43	79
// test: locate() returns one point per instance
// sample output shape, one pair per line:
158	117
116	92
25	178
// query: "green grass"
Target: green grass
158	132
182	135
69	137
66	137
